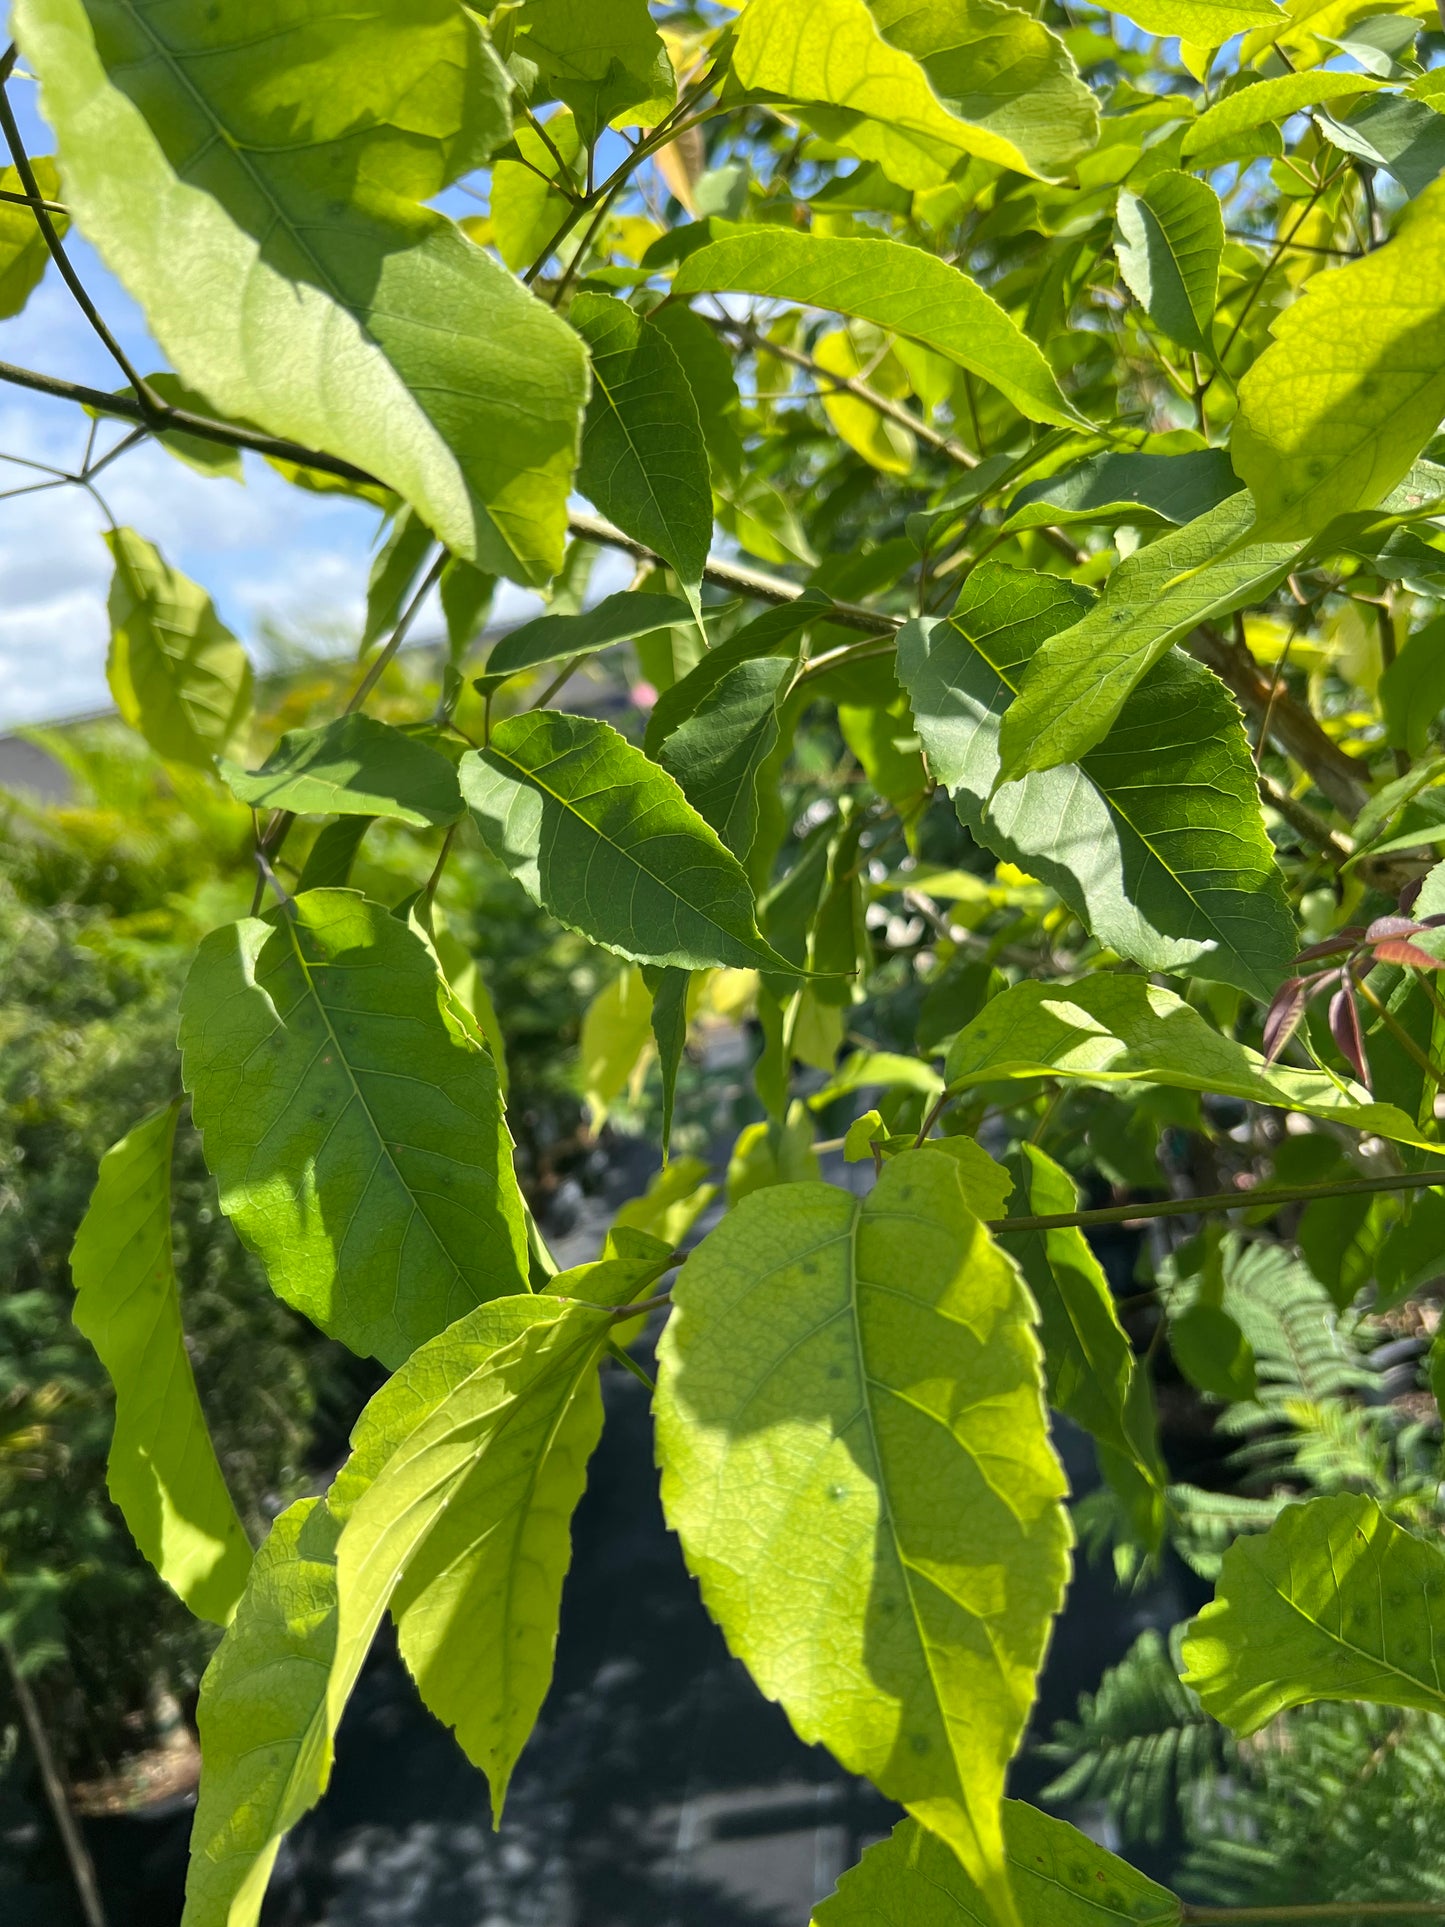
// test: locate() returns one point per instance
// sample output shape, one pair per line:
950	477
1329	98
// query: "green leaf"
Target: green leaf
482	1440
669	990
1155	838
1112	1029
196	451
24	256
354	766
996	68
718	753
397	565
606	841
262	199
631	1261
176	672
1171	237
899	288
1088	1360
1352	387
604	58
1149	491
1267	101
774	632
709	370
1212	1352
830	57
644	462
616	618
1203	23
1405	137
1334	1602
867	1070
673	1202
1412	689
616	1033
1077	684
162	1471
356	1134
986	1185
1060	1878
769	1153
265	1747
830	1366
329	863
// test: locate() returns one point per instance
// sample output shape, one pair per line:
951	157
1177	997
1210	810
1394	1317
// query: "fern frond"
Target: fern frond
1141	1744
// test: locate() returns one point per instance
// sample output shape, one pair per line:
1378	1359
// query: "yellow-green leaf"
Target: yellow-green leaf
831	1365
1203	23
261	195
1122	1029
24	256
1352	387
482	1440
1171	237
899	288
1060	1878
830	55
162	1471
356	1135
1088	1360
177	673
1266	101
354	766
1078	681
1334	1602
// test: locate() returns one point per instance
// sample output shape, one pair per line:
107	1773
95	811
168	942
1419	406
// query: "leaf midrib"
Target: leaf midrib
533	777
287	921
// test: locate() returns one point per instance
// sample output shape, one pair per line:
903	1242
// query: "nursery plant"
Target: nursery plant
1019	425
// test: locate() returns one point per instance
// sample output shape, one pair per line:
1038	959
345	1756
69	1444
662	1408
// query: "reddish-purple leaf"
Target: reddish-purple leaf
1392	927
1282	1019
1332	946
1345	1029
1396	950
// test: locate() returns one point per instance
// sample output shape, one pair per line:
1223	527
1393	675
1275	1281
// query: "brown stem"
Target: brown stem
1220	1201
82	1870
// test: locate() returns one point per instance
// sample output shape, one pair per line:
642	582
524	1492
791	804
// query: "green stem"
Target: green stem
1221	1201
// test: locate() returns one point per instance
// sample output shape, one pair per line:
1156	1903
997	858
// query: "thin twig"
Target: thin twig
398	635
1267	1194
62	260
82	1868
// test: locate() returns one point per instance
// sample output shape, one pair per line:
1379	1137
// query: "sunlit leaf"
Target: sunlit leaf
1268	100
356	1136
1123	1029
604	58
176	672
899	288
262	199
1060	1878
895	1360
354	766
162	1471
864	92
1076	685
606	841
616	618
24	255
1334	1602
1352	387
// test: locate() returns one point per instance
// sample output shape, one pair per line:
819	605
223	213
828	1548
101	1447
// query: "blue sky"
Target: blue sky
270	554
